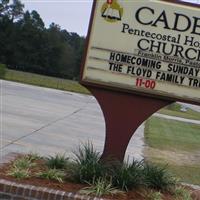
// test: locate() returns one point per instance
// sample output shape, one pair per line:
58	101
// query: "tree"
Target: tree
16	10
77	43
61	54
4	8
27	45
13	11
37	21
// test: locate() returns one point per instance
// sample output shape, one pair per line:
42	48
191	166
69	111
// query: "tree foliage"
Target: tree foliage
13	10
27	45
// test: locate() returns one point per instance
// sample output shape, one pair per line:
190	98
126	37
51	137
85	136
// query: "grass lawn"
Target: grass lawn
167	134
45	81
174	110
175	143
188	174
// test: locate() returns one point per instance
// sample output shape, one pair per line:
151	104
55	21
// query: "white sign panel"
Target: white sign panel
147	46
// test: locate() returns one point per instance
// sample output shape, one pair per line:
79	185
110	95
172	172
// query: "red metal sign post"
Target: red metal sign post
123	113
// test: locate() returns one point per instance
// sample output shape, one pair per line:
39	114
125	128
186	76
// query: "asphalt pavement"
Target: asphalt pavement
177	118
49	121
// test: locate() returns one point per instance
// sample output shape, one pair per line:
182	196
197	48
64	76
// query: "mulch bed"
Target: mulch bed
74	187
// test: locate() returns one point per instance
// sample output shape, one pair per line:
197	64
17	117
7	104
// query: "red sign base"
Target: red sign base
123	113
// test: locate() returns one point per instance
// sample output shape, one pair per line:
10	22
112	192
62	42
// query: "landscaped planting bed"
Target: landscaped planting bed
86	174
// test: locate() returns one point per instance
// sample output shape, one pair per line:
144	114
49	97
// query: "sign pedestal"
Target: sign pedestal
123	114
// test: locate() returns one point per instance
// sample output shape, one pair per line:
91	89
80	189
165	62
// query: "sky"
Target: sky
72	15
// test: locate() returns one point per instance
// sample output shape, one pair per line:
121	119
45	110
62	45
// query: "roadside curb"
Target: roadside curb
10	190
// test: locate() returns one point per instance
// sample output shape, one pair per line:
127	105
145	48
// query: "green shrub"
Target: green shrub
57	162
127	176
87	164
52	174
158	178
101	187
2	70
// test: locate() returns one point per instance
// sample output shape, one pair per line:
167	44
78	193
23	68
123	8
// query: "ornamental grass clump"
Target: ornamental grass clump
152	195
158	178
59	161
100	187
87	166
128	176
18	173
33	157
20	168
181	193
23	163
52	174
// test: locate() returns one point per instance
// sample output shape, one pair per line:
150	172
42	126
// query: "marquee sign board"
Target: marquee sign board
150	47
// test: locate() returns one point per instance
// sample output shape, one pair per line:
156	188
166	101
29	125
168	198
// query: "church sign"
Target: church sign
146	47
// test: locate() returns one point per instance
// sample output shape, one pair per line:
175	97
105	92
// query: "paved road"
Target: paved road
177	118
49	121
193	107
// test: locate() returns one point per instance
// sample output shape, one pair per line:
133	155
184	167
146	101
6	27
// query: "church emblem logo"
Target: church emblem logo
112	11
